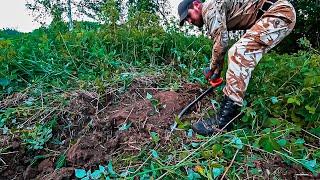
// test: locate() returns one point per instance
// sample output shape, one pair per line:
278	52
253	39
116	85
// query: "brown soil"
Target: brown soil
93	135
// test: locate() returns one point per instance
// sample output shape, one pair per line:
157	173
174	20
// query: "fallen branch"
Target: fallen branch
234	157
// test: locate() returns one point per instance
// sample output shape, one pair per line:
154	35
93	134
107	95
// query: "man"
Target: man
267	22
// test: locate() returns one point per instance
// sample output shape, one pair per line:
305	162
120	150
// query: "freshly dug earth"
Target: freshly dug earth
104	138
94	129
95	133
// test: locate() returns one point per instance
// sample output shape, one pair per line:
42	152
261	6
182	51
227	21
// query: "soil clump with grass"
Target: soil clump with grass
93	130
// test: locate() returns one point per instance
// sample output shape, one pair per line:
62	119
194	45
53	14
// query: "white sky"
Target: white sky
14	15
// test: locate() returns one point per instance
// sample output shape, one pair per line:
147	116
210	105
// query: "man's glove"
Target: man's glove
213	78
211	75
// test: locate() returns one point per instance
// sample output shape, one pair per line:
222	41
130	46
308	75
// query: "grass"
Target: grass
277	135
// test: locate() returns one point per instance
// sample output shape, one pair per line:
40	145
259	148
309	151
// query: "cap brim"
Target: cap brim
183	18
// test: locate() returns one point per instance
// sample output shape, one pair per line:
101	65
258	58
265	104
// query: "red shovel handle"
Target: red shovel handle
216	82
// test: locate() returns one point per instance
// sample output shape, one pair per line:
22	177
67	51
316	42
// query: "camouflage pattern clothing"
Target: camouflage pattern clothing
264	33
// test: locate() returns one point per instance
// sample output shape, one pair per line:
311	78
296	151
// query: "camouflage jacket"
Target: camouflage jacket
220	16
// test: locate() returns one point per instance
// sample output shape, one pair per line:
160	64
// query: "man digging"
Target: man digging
267	22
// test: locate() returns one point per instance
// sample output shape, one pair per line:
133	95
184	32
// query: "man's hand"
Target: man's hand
213	78
210	74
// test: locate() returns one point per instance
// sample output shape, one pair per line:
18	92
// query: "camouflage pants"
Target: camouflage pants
244	55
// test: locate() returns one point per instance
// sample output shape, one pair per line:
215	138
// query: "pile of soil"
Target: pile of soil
93	129
95	135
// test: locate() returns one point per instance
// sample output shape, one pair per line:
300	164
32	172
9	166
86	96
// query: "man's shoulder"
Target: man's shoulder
212	5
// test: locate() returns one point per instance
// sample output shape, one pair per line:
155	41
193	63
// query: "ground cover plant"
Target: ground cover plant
99	102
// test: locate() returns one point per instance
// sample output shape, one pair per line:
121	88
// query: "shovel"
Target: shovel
214	83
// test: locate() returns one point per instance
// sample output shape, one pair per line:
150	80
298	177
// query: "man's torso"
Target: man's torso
240	14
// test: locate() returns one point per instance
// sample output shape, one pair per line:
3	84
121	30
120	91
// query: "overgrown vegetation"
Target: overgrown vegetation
278	135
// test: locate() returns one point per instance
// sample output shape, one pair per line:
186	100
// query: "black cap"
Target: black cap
183	10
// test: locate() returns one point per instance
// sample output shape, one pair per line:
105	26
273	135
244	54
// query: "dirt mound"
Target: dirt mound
99	129
126	127
94	129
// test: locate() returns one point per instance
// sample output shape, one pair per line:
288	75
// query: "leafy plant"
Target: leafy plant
154	102
39	135
105	172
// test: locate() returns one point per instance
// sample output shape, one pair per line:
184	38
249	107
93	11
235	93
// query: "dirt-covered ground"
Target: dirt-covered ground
89	130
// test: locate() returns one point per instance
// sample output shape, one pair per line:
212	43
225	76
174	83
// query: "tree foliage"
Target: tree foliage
103	11
158	7
308	21
44	9
100	10
45	67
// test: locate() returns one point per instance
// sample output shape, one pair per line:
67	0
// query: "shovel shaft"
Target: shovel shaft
193	102
214	83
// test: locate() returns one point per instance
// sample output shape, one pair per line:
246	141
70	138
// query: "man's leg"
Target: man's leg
243	57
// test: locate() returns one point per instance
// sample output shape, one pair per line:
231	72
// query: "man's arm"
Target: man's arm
215	19
218	51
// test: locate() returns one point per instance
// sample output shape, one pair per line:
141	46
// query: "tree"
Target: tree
159	7
308	20
44	9
91	8
103	11
70	15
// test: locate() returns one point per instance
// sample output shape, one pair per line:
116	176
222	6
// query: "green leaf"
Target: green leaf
96	174
274	100
315	131
61	161
300	141
269	144
125	126
89	173
149	96
110	169
217	172
272	122
217	150
2	122
266	130
255	171
282	142
310	165
5	130
153	167
80	173
102	168
189	134
193	144
193	175
293	100
316	154
124	173
215	103
29	101
154	154
155	137
4	82
237	141
312	110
